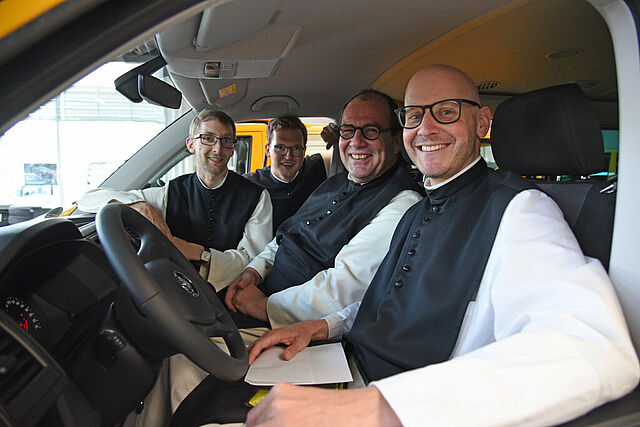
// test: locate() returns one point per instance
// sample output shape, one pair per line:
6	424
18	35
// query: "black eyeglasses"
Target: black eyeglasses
370	132
445	112
282	150
209	139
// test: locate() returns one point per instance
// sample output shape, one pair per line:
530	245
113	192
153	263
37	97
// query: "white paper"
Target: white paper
321	364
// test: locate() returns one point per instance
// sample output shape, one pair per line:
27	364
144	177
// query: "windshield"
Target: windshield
72	144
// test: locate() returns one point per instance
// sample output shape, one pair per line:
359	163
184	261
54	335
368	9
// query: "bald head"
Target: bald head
441	150
441	82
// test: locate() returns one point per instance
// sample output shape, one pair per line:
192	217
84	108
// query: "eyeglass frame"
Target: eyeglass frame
288	150
355	130
423	108
217	139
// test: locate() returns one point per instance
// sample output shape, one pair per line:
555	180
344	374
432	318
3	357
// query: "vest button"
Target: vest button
435	209
329	212
210	218
211	210
398	283
334	202
426	219
212	199
210	230
411	252
406	267
320	218
416	234
344	193
307	222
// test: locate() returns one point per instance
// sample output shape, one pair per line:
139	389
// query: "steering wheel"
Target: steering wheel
169	291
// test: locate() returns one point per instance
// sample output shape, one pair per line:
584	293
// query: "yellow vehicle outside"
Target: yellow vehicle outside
254	137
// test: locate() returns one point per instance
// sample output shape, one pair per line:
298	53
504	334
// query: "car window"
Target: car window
72	143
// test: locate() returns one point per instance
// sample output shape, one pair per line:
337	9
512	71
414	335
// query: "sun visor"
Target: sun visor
229	22
255	57
211	47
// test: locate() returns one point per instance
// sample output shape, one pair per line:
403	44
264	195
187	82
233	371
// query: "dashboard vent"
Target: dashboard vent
30	379
17	367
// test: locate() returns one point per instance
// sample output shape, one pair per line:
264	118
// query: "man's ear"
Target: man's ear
190	146
266	150
484	121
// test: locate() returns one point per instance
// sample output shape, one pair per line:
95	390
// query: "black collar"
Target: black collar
449	189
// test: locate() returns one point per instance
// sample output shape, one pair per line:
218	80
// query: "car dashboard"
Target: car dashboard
60	341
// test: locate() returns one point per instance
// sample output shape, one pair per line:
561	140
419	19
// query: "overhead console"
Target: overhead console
215	53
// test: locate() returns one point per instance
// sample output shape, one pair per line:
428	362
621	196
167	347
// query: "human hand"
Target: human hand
330	135
296	337
251	301
191	251
290	405
152	214
248	277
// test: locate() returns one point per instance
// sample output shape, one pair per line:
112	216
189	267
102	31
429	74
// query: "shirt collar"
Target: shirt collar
445	182
350	178
279	180
387	172
461	180
217	186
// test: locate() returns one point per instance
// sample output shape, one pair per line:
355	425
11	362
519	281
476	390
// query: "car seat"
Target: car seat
555	133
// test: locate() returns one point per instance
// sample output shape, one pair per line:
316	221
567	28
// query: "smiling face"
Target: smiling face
442	150
211	160
364	159
285	167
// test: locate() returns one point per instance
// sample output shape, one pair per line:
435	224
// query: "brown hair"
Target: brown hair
286	122
206	115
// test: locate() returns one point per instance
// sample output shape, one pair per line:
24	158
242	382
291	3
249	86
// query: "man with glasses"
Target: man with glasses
292	176
217	218
484	311
324	256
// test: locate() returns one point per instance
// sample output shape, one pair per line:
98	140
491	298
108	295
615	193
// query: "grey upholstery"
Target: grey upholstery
551	132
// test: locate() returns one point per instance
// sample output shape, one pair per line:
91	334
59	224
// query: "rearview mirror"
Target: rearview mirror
157	92
138	84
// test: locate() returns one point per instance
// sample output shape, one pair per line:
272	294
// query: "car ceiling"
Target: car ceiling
307	57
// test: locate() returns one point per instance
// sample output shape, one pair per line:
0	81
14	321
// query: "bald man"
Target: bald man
484	310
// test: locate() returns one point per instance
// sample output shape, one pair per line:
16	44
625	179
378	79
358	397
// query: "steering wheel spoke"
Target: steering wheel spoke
149	251
219	329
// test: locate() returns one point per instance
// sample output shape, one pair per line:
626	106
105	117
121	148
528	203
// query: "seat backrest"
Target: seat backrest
553	132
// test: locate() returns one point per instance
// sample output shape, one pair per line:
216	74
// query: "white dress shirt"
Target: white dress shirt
544	342
336	287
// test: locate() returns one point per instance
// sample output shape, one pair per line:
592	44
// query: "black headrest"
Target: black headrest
552	131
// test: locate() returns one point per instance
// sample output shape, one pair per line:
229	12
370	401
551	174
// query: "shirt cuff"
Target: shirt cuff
262	266
336	325
276	316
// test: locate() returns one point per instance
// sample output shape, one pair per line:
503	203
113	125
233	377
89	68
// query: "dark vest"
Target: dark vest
412	311
339	208
211	218
287	198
